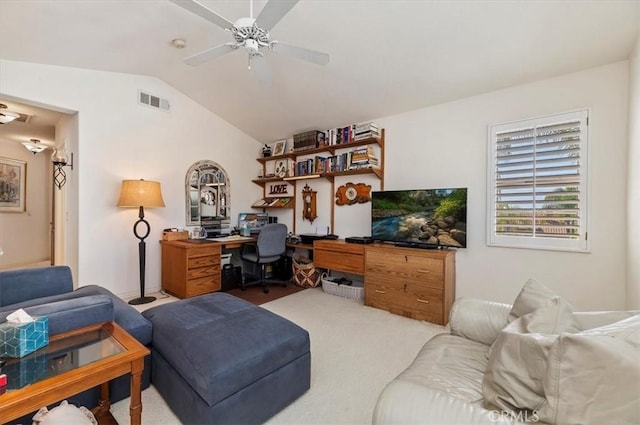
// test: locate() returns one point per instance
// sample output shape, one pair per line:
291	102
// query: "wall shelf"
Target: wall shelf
377	171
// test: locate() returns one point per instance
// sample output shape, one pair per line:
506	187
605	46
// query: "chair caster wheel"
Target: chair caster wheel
266	290
242	288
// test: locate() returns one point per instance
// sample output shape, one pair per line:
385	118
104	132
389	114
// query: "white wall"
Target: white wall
446	146
119	139
17	230
441	146
633	189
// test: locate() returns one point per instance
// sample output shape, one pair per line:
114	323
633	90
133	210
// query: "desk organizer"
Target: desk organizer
175	236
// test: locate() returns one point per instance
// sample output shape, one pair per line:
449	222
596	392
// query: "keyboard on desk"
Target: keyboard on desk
232	238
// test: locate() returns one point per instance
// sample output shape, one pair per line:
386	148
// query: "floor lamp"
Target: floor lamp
140	194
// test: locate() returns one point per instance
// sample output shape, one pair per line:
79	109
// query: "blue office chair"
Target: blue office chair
269	248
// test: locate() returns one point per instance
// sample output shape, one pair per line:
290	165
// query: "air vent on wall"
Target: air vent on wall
153	101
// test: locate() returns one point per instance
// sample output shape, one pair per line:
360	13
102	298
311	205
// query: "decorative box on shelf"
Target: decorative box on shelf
175	236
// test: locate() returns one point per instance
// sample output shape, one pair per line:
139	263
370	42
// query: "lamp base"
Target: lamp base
141	300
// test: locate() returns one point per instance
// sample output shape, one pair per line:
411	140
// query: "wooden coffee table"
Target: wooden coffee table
75	361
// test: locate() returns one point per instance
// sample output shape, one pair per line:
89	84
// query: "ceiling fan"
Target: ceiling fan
253	35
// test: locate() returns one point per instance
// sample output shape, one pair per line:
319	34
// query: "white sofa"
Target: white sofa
444	384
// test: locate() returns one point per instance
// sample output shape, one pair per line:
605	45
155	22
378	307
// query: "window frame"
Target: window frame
580	244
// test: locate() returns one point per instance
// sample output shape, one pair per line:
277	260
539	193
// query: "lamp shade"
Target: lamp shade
140	193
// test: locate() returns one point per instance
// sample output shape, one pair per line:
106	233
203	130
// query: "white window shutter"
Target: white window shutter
538	183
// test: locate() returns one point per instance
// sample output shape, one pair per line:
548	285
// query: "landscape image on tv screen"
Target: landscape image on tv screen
429	218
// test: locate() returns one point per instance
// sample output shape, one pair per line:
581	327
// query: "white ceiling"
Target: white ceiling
387	57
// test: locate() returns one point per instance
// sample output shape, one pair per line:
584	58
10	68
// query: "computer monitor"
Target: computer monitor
253	221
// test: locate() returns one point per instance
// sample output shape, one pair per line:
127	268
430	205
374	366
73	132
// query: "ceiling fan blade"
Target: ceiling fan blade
261	70
318	58
203	12
272	12
206	55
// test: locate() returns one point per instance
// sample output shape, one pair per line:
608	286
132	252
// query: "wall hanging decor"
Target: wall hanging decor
350	194
13	185
309	203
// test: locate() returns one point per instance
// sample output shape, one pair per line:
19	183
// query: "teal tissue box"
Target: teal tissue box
20	339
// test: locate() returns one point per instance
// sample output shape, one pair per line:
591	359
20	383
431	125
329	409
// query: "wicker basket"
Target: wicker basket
305	273
354	291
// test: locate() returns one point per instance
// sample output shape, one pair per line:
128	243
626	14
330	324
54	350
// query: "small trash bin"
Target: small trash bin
231	276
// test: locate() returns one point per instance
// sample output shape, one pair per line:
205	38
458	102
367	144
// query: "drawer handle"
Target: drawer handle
422	301
423	271
381	292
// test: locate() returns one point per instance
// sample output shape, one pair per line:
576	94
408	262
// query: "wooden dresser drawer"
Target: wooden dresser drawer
202	285
203	251
195	273
420	305
410	282
339	255
194	262
395	267
190	269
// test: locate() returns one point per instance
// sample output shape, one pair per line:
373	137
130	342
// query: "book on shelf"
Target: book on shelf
351	133
271	202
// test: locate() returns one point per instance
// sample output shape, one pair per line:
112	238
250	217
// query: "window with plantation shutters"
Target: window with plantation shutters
538	183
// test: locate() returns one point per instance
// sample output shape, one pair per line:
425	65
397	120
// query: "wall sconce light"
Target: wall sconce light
5	116
60	160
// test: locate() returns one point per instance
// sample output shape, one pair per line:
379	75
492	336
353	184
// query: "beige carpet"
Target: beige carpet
355	351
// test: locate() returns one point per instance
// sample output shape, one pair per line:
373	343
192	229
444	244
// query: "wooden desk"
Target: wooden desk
192	267
107	366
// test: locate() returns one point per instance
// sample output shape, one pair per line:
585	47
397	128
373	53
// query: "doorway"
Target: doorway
34	236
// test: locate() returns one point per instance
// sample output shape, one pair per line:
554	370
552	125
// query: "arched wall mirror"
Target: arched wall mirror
208	194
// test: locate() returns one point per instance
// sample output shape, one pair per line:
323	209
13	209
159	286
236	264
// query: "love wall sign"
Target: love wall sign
279	189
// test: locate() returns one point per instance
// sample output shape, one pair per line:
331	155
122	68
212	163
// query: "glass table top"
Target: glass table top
60	356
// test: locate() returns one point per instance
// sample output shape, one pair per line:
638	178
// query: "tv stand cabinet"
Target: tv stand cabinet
416	283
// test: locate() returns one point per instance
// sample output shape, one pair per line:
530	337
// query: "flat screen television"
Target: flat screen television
424	218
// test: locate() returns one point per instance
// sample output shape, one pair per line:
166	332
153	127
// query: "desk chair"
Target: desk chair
268	249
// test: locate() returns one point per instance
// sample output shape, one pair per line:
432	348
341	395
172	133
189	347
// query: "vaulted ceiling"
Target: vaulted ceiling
387	57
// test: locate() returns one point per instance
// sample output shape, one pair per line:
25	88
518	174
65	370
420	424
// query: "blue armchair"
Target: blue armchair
49	291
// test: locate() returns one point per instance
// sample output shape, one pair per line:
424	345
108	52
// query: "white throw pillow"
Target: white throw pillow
532	296
513	379
593	377
64	414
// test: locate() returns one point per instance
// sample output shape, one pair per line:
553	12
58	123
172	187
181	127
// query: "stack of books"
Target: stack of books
363	157
351	133
366	130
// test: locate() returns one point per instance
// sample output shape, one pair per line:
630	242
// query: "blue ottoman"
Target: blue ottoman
217	359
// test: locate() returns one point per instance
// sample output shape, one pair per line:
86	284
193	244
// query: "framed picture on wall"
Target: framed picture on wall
13	185
279	147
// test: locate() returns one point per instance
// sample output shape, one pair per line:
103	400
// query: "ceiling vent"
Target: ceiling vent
153	101
24	118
